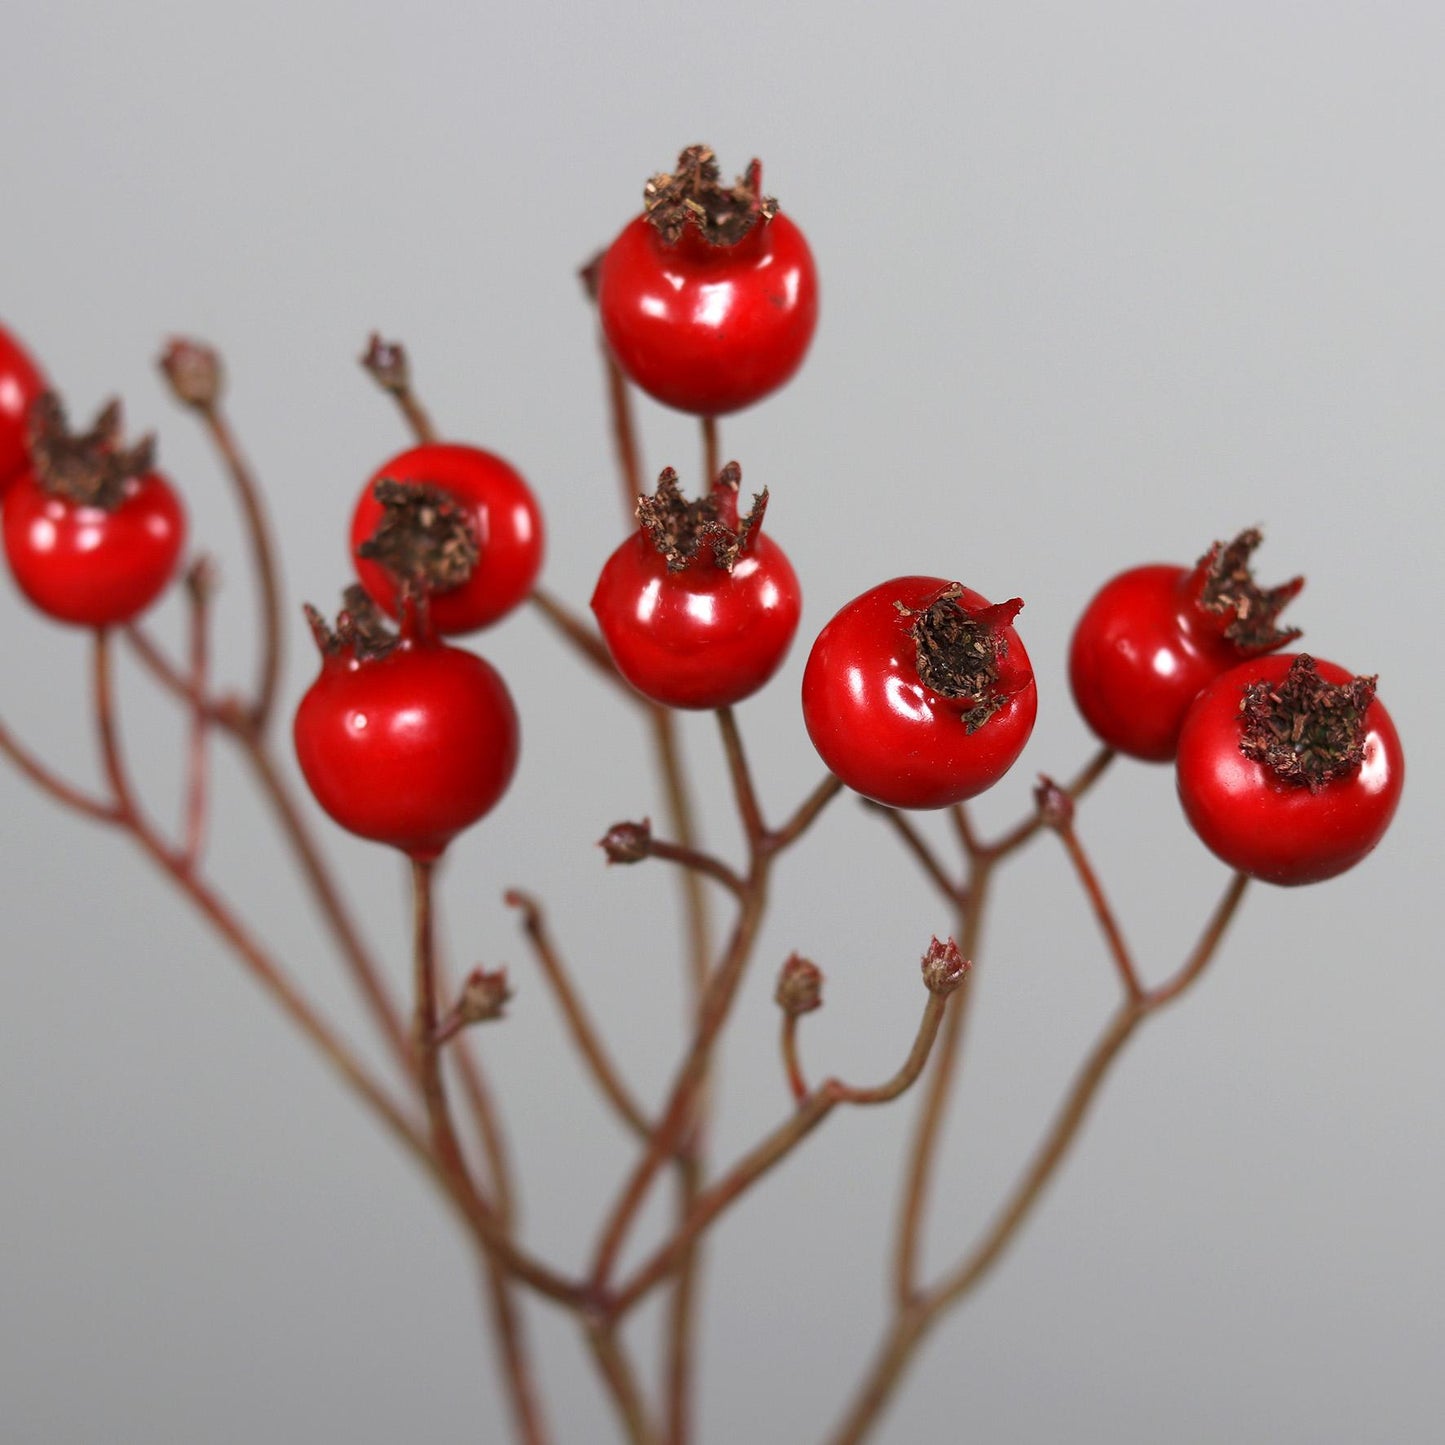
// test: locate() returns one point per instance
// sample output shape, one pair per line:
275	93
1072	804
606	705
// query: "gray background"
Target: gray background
1100	284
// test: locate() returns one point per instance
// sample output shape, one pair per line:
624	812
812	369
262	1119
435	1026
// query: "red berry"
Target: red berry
404	740
697	609
501	513
1289	769
1154	636
92	533
919	693
21	386
709	299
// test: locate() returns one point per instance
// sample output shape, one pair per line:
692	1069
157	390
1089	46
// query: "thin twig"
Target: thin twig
621	1382
711	455
263	557
916	844
579	1021
198	589
792	1064
583	641
57	788
815	1107
1017	836
913	1319
1108	924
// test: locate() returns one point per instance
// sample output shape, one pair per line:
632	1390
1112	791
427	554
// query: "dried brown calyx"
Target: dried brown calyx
424	539
484	996
683	531
800	986
1228	591
360	629
193	372
387	363
89	468
1305	730
694	195
958	651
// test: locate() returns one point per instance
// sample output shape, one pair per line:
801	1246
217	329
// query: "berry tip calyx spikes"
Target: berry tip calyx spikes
89	468
360	628
424	539
944	967
800	986
193	372
680	530
1306	731
694	195
958	651
1249	612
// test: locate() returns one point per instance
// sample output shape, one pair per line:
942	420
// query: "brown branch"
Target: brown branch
916	844
621	1383
199	582
579	1022
913	1319
814	1108
57	788
1108	924
1017	836
792	1064
583	641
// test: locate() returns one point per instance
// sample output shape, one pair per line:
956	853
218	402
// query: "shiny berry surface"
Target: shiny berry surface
704	637
408	748
90	565
705	328
1148	642
20	385
886	732
504	517
1279	831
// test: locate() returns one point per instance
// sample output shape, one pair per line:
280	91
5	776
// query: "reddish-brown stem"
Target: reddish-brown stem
751	814
923	1151
1020	834
579	1022
621	1382
917	1315
807	812
263	557
682	1315
813	1109
792	1065
364	969
717	1001
269	975
919	846
1108	924
415	415
698	861
517	1375
583	640
711	455
57	788
198	762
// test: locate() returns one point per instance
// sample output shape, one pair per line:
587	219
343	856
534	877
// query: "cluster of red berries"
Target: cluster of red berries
918	693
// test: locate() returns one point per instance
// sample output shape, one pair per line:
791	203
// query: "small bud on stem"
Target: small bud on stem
944	967
800	986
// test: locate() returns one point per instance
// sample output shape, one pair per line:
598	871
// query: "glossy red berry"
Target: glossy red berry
1289	769
92	534
919	693
696	608
501	514
1154	636
21	386
708	299
406	740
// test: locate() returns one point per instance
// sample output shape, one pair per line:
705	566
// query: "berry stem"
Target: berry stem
55	787
711	452
792	1065
198	592
814	1107
916	1315
579	1021
1098	901
621	1382
922	1155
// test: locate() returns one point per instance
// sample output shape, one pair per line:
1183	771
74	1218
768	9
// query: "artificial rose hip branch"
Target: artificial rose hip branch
917	695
